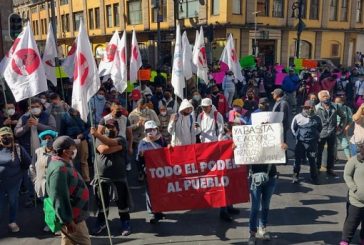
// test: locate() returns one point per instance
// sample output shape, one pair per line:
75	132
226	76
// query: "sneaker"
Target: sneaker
251	240
46	229
98	228
295	178
128	167
263	233
125	228
14	227
323	169
344	243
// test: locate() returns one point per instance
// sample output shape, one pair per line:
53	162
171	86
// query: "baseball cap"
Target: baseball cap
278	92
263	100
150	125
206	102
63	142
5	130
136	94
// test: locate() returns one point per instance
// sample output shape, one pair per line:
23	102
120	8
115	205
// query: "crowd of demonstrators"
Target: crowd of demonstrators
329	106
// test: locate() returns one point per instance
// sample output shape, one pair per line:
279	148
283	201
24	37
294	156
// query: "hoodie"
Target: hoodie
183	130
209	129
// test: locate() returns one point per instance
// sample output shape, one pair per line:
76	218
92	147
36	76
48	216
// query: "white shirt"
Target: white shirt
209	132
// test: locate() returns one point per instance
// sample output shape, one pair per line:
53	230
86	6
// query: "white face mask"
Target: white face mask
35	111
153	133
11	112
74	154
163	113
43	101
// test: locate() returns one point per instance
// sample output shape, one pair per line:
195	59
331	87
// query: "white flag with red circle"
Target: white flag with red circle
24	71
178	78
109	55
229	56
119	70
86	81
9	54
68	64
49	56
200	58
135	59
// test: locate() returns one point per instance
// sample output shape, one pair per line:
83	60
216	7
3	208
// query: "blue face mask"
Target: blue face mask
47	143
100	97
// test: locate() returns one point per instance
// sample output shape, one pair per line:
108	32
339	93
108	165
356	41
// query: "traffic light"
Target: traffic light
15	25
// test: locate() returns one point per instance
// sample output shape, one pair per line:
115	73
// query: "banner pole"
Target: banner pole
97	175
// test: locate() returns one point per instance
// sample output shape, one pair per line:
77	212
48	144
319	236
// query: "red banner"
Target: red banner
195	177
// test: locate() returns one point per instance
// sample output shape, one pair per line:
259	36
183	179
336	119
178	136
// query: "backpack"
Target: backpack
215	119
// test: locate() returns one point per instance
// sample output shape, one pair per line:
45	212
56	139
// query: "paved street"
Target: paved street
300	214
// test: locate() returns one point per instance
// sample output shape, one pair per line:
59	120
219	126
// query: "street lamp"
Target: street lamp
255	32
300	26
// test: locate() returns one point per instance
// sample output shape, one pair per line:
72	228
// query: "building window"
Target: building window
344	10
63	2
135	12
77	19
333	10
263	7
33	10
91	19
236	7
37	27
278	6
359	5
314	9
65	23
116	14
97	18
188	9
108	16
33	27
335	50
164	12
215	10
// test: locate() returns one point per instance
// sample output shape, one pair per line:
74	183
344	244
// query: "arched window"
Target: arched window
335	49
305	49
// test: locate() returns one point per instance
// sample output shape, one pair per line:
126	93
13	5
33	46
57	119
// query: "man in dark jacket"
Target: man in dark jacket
281	105
328	113
306	128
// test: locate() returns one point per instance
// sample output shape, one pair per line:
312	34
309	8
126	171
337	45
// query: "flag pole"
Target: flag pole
98	179
60	77
3	90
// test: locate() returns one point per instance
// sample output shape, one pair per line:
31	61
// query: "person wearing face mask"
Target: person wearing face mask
313	97
250	102
290	85
306	127
182	125
97	104
9	117
144	89
73	126
137	118
68	192
157	97
111	164
169	102
228	86
117	114
57	109
238	115
219	101
328	113
44	100
164	119
152	140
14	161
196	102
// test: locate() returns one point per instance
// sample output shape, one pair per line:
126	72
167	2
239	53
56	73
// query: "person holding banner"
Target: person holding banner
182	125
152	140
306	128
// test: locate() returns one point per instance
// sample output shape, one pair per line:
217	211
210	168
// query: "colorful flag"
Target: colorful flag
49	56
229	56
107	61
86	81
178	79
186	56
119	70
200	59
24	71
135	59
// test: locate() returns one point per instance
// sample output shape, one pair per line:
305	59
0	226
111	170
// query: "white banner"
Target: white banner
259	144
267	117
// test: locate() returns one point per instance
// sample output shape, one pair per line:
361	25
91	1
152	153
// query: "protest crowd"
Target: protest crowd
48	152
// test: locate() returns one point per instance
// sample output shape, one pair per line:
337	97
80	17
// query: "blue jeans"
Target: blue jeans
12	192
261	197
